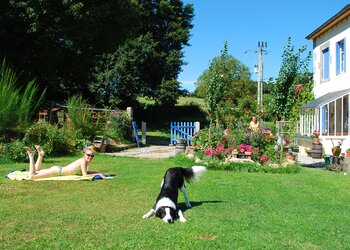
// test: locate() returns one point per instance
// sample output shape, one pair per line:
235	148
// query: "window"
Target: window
324	124
335	117
338	116
331	118
340	57
325	64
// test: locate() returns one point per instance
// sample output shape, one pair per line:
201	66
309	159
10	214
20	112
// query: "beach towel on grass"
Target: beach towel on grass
19	175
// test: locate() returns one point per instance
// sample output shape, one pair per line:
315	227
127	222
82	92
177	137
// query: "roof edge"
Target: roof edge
341	15
324	99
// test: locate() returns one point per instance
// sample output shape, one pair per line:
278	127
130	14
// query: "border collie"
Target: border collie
166	204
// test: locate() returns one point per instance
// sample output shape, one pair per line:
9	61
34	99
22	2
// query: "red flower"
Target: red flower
245	148
287	140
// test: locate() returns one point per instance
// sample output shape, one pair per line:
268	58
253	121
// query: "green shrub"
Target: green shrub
13	152
53	139
119	126
252	167
182	161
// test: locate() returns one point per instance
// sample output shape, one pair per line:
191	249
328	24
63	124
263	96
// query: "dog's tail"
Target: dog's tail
193	173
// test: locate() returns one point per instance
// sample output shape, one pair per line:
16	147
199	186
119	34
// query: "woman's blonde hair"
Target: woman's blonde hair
90	148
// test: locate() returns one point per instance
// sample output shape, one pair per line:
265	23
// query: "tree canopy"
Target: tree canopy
293	86
108	50
230	71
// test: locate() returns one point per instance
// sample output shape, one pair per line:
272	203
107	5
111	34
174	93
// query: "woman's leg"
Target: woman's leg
41	154
31	162
33	174
49	172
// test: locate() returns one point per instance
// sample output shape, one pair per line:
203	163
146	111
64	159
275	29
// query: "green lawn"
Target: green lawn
231	210
188	100
183	100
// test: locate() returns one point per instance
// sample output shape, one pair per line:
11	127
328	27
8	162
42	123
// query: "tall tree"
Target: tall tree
235	74
58	41
149	63
293	71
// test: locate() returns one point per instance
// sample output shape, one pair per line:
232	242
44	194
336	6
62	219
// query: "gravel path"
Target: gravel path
308	161
155	152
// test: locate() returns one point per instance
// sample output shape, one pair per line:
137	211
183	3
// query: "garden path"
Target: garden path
155	152
308	161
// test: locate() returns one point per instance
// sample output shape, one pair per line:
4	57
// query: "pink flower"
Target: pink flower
209	152
245	148
229	150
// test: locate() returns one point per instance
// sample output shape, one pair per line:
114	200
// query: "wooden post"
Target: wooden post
130	112
197	125
143	136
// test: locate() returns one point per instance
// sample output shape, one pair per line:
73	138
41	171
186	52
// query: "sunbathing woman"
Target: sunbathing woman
78	167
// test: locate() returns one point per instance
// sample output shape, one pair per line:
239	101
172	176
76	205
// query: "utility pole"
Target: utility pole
261	46
259	69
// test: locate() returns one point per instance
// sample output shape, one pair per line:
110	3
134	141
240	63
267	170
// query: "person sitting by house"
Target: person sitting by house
78	167
254	124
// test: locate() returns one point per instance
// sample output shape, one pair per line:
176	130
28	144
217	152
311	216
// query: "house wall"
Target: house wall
335	82
330	38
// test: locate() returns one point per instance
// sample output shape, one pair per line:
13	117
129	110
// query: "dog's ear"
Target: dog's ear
174	213
160	213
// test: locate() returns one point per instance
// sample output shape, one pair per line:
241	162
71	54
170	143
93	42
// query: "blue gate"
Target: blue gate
183	130
136	133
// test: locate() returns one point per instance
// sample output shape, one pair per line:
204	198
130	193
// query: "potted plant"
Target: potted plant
347	152
336	149
316	135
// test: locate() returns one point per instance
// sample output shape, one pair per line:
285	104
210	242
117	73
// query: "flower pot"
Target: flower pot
317	140
290	157
317	151
336	151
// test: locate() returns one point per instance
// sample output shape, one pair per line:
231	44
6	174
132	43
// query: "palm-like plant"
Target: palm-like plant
79	115
16	107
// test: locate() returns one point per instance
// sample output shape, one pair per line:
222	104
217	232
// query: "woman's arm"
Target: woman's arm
83	167
92	173
86	173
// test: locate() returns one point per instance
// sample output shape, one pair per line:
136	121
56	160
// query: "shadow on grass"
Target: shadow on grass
183	207
316	165
157	140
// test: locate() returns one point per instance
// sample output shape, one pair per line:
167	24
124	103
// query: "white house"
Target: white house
329	112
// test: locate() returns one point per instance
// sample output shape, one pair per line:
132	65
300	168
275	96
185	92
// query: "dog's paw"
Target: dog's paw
146	216
182	219
149	214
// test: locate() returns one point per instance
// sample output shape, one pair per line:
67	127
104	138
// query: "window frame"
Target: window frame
341	57
325	63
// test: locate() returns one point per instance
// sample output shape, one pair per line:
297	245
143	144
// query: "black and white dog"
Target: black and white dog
166	203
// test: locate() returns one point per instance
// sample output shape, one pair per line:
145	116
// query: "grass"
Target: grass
182	101
189	100
231	210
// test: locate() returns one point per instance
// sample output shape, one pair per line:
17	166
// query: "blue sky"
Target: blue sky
243	23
